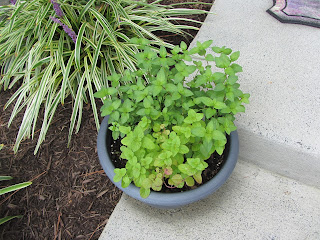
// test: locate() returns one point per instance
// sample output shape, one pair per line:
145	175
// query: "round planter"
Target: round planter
169	200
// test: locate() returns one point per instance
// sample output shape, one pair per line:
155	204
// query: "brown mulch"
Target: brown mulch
71	197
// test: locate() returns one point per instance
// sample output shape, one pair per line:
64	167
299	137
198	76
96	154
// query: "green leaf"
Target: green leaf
210	112
206	147
144	192
161	77
220	105
141	112
193	116
187	93
229	71
223	61
227	51
206	44
106	110
217	135
236	67
116	104
168	101
220	150
212	124
175	50
218	77
183	46
128	140
232	80
124	129
245	98
190	69
187	58
230	96
234	56
177	179
124	118
101	93
14	187
126	153
148	143
190	181
163	52
111	91
219	87
207	101
186	169
216	49
114	116
198	131
77	54
198	177
240	108
183	149
126	106
139	95
209	57
147	103
157	182
193	162
120	172
175	96
156	90
3	178
136	170
125	181
170	87
8	218
194	50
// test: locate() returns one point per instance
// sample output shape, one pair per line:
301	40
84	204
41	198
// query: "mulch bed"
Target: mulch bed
71	197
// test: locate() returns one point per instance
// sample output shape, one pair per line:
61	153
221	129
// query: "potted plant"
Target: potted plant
164	130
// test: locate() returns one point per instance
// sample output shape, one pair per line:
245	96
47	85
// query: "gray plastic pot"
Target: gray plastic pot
169	200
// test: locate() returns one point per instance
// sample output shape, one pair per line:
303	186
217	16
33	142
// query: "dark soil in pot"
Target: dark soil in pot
215	163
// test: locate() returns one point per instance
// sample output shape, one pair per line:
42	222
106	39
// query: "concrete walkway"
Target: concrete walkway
252	204
274	190
280	130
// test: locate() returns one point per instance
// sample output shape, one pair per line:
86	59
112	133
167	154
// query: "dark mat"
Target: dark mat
306	12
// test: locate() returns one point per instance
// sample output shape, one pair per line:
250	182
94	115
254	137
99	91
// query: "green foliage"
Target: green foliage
14	187
10	189
170	125
39	57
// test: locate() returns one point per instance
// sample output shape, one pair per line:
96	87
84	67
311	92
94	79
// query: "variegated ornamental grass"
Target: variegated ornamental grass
51	56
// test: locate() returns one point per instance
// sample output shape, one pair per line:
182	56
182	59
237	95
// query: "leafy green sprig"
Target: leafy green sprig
170	125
